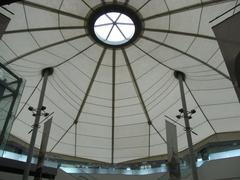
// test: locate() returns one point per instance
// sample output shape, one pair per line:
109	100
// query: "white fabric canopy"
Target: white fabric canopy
177	34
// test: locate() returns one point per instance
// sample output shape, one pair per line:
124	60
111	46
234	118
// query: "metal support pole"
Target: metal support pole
45	73
181	78
42	152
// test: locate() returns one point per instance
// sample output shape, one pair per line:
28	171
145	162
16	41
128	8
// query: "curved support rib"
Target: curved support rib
188	55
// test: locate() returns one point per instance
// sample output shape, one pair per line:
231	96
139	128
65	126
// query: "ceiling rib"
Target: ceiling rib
103	2
113	100
187	8
188	55
200	108
26	102
143	5
153	58
158	132
75	55
233	8
85	98
90	85
46	8
61	137
180	33
137	89
126	2
44	29
44	47
87	5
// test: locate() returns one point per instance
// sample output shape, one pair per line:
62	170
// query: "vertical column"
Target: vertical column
45	73
43	148
181	78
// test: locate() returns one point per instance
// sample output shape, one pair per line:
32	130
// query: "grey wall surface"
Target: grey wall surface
221	169
125	177
9	176
63	176
225	169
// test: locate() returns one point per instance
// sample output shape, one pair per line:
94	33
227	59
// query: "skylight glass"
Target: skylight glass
114	28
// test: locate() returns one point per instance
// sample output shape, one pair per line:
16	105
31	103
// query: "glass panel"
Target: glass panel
11	87
114	28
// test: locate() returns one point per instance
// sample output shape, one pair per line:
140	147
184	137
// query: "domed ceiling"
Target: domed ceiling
118	89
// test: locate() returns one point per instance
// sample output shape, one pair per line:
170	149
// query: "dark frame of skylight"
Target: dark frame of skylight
120	29
130	12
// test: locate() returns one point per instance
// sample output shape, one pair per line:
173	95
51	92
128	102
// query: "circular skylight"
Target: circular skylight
114	28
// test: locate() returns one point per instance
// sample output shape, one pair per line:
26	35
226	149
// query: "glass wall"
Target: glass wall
11	87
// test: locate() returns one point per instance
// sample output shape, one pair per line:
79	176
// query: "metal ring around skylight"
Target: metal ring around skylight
114	28
114	25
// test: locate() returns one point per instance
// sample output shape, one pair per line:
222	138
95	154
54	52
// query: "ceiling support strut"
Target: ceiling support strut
181	33
44	29
75	55
43	48
75	122
52	10
113	100
137	89
200	108
145	52
181	78
187	8
188	55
